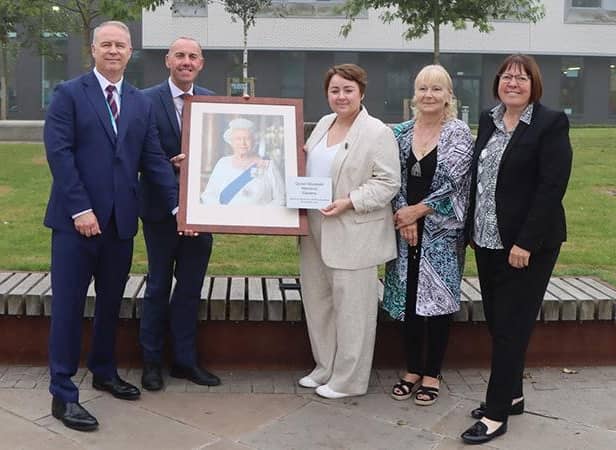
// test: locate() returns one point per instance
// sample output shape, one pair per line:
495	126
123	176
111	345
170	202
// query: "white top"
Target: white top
321	158
178	101
104	82
264	188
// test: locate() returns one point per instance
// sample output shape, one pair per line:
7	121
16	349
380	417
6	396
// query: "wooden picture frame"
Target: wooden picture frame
239	153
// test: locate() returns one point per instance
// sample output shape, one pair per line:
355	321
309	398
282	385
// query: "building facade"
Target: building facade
295	41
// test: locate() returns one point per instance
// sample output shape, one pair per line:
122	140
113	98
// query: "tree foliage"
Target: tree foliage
422	16
244	11
82	16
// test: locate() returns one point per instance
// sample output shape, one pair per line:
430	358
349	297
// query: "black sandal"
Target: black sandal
428	391
402	390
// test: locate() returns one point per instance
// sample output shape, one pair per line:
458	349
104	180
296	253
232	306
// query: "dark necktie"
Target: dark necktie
113	106
185	96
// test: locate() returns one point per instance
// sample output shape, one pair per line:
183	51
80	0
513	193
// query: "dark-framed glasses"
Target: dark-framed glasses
508	78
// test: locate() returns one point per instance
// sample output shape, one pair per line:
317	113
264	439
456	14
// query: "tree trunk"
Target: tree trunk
4	97
245	60
436	29
86	49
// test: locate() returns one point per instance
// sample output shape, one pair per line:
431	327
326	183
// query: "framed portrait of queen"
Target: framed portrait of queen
239	154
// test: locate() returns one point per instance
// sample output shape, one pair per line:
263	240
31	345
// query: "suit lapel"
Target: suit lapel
94	94
348	143
127	109
520	129
167	102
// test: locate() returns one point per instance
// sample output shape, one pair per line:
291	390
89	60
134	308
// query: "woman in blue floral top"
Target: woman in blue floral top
422	286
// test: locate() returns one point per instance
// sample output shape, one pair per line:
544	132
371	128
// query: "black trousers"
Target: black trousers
511	301
425	338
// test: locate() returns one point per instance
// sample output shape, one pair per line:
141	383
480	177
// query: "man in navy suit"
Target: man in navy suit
99	133
185	257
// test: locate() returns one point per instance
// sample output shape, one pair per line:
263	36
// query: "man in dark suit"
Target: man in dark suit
99	132
185	257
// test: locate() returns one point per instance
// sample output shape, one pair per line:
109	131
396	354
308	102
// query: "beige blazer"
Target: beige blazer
366	168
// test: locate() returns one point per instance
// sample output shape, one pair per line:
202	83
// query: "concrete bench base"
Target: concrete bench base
258	323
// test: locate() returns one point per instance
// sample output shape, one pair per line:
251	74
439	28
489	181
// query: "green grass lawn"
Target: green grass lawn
590	204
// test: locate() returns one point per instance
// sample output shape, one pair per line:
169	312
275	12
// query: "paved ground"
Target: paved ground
266	410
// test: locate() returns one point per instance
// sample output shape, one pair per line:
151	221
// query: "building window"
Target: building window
292	74
134	70
11	60
53	66
598	12
572	85
612	93
184	9
586	3
306	8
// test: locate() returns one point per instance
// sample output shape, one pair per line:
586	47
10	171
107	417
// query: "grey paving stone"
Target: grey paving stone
324	427
263	388
239	388
18	433
126	425
229	415
459	388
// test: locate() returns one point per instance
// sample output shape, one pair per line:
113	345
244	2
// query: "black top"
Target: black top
418	182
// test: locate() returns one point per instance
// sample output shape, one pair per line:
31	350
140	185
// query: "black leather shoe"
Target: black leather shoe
73	415
515	410
478	433
117	387
151	377
195	374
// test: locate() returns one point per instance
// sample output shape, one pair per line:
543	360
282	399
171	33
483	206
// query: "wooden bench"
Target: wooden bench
262	302
279	299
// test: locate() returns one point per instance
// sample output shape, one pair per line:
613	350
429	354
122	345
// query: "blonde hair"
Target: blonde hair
436	74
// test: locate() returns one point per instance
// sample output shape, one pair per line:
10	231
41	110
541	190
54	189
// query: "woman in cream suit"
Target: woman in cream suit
349	238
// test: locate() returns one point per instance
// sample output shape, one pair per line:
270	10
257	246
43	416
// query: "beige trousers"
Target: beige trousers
341	310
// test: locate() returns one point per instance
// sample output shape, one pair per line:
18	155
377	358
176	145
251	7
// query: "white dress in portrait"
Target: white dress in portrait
261	185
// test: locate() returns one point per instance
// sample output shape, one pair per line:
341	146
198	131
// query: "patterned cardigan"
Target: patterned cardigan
442	248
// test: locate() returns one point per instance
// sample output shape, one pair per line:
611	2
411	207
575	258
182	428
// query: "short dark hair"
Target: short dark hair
350	72
531	68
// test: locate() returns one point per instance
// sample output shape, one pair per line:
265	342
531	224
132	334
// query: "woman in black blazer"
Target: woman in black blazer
516	224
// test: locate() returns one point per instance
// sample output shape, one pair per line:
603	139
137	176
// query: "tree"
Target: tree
243	10
82	16
423	16
22	25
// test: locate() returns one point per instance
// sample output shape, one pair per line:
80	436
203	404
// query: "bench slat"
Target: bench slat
577	294
605	290
274	299
4	276
34	297
256	303
558	292
237	293
7	286
476	312
127	306
218	299
594	293
139	299
16	299
292	302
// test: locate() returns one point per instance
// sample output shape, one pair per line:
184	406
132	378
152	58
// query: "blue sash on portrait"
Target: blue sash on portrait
235	186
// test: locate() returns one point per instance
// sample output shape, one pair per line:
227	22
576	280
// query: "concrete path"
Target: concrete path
266	410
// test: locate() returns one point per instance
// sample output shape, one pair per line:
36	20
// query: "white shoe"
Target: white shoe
327	392
308	382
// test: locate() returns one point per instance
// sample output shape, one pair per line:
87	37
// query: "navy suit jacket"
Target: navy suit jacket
92	167
532	179
151	206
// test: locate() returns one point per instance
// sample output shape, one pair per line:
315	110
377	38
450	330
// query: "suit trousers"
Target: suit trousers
341	310
75	259
511	300
186	259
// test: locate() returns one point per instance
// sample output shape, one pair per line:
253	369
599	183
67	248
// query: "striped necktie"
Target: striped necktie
113	106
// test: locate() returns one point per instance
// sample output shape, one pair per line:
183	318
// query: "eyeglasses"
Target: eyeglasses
508	78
